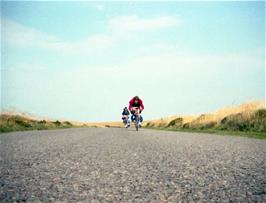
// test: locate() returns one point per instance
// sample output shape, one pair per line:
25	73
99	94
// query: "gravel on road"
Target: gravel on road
122	165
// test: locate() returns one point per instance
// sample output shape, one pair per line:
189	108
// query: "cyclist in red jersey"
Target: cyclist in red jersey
136	103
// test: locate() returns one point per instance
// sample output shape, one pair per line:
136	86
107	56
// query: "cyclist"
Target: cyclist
125	117
134	104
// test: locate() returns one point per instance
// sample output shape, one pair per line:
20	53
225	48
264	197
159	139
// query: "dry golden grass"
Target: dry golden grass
104	124
246	109
166	120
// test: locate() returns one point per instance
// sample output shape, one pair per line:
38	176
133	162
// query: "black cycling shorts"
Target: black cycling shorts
133	112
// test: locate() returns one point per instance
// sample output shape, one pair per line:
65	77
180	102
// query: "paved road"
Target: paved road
120	165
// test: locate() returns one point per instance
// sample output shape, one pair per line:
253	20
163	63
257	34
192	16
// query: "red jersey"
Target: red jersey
132	104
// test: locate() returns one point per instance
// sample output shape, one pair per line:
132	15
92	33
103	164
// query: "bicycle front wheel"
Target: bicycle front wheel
137	123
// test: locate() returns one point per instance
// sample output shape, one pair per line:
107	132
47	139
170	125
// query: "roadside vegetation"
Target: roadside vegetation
246	120
10	123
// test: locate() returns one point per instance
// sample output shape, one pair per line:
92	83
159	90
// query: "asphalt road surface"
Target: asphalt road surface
122	165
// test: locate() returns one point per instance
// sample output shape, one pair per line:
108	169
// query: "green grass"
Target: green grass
252	134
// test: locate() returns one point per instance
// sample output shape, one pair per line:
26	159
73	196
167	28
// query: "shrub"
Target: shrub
57	123
186	125
67	123
148	124
260	114
176	122
258	122
234	122
22	123
152	124
210	124
42	122
41	127
4	129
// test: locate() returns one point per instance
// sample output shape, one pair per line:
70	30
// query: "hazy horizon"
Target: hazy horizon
84	61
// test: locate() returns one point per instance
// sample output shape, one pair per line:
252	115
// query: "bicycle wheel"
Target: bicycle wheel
137	122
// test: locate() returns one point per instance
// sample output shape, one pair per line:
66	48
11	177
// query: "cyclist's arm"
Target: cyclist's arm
130	105
141	106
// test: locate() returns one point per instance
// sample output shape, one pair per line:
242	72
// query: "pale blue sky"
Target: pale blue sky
85	60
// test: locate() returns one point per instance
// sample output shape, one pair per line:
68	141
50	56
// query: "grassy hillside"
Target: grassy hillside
21	121
10	123
249	118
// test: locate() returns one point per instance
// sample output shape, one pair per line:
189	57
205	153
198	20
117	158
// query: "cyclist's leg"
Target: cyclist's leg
128	121
124	119
132	117
141	118
138	114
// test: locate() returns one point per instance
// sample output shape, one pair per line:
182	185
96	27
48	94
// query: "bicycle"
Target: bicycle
137	117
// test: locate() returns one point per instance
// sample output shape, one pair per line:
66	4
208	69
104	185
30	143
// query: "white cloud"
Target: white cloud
18	34
93	44
172	64
120	27
99	7
24	36
128	24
